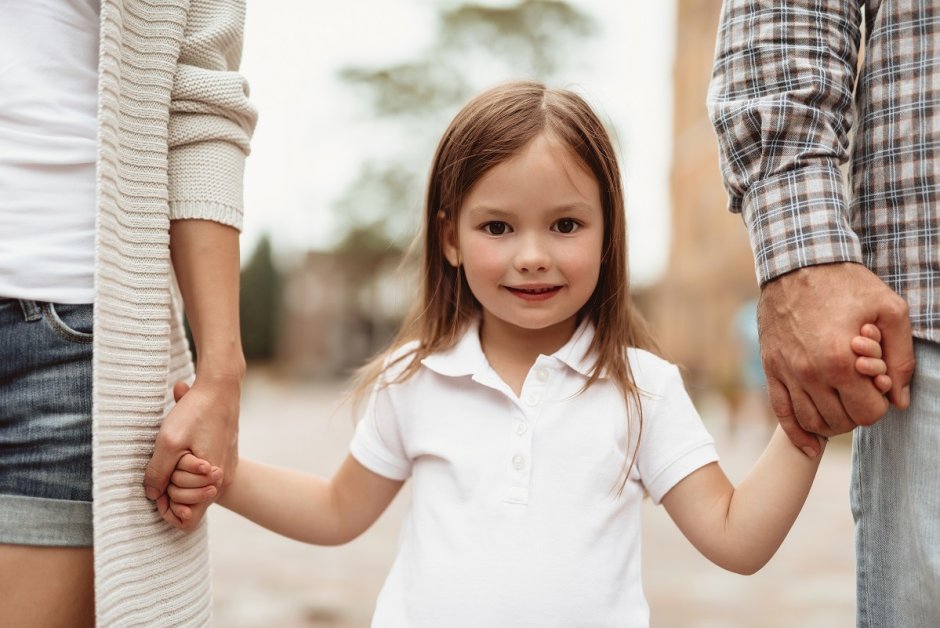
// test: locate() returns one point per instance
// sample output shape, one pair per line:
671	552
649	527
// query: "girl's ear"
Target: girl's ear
449	241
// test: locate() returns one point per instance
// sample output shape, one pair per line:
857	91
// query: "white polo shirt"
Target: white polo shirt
515	518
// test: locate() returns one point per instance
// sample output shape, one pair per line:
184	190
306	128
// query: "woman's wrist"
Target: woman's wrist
221	363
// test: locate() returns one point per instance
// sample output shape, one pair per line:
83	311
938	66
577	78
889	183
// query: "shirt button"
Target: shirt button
543	374
532	399
522	428
518	462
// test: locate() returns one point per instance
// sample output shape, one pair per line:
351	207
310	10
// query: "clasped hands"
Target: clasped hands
203	423
808	320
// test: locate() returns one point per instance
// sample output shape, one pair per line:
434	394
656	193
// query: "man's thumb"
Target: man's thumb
898	346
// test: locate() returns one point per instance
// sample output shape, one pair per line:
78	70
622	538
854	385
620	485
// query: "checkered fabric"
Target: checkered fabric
781	101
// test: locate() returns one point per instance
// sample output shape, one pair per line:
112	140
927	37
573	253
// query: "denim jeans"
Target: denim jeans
896	505
45	423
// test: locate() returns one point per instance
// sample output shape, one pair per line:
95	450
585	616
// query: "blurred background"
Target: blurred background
353	97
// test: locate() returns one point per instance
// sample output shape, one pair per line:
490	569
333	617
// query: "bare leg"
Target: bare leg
47	586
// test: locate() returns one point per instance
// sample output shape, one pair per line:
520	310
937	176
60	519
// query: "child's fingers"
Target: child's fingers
866	347
182	512
871	366
193	464
190	496
882	383
871	331
185	479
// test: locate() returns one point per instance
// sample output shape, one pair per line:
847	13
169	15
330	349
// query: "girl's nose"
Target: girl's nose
532	255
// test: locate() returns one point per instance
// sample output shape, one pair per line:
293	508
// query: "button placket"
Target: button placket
527	409
520	460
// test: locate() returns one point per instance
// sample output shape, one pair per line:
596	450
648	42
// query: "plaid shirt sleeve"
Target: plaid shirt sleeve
781	104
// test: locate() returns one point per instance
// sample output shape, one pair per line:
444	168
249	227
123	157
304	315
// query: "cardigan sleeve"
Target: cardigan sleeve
211	118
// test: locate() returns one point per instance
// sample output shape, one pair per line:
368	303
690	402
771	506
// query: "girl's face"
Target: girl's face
529	236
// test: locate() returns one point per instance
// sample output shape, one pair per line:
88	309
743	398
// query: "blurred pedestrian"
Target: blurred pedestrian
751	398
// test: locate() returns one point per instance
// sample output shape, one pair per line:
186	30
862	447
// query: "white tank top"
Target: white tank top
48	148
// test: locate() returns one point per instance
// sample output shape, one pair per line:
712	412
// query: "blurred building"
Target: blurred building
339	308
710	273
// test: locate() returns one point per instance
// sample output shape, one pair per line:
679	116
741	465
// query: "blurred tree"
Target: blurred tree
259	303
475	46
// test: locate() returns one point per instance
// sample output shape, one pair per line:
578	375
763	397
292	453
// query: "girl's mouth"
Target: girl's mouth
534	293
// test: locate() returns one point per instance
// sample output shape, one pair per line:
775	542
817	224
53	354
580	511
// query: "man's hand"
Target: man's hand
807	319
204	422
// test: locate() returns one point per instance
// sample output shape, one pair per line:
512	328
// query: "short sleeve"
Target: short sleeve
674	442
378	444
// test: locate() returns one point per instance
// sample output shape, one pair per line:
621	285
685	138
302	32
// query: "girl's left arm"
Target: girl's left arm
740	528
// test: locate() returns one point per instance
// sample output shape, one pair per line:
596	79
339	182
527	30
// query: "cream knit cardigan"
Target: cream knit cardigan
173	129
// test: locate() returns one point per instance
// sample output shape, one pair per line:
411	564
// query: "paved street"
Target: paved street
262	580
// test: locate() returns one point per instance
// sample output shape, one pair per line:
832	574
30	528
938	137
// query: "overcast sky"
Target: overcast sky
308	145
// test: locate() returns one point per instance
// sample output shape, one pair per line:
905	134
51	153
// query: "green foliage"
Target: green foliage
259	305
475	47
533	33
365	207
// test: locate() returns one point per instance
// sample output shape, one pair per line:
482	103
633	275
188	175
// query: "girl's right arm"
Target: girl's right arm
308	508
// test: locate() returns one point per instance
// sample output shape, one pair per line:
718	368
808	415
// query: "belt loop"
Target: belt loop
31	310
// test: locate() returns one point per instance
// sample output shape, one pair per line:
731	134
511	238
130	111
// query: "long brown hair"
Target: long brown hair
493	127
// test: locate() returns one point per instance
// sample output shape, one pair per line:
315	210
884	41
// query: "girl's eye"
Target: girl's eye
566	225
496	228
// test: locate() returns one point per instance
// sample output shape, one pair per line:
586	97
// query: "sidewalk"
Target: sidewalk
262	580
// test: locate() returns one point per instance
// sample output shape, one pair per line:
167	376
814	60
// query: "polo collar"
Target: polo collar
576	353
466	356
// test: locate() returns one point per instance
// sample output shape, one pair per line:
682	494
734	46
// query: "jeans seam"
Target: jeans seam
862	609
58	326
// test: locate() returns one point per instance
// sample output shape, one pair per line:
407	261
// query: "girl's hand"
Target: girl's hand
869	362
193	482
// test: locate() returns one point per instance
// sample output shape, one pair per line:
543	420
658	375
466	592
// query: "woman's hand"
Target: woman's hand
204	422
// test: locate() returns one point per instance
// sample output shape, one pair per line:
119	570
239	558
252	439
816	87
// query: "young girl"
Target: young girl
519	400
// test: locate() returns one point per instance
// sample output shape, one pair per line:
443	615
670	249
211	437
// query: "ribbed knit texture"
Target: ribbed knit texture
174	125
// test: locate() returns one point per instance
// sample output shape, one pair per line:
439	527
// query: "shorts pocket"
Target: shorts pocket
72	322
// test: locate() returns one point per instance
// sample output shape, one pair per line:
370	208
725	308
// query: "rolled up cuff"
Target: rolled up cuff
799	218
206	181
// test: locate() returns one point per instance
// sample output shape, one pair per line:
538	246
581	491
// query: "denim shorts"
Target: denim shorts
45	423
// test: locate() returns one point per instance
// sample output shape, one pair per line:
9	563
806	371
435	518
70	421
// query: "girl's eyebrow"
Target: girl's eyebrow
489	211
577	206
485	211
